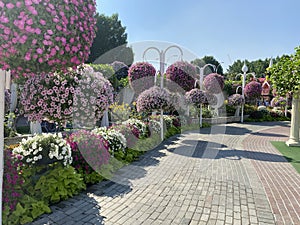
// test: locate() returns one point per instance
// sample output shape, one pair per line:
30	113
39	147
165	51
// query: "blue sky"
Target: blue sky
226	29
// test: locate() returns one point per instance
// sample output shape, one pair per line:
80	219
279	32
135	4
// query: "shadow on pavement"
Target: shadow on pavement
268	134
230	130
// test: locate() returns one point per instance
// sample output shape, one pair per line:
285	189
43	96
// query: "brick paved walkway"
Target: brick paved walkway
227	174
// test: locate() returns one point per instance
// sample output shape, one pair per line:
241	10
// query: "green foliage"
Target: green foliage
108	72
110	35
90	178
26	211
248	109
59	184
209	60
257	66
285	74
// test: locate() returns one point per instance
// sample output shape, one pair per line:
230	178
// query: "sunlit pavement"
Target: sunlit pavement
227	174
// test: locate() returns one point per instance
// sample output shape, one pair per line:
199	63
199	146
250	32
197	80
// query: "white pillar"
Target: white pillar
294	130
2	89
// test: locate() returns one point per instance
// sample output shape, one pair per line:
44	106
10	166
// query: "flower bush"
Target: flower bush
154	126
93	95
90	151
138	127
130	133
253	90
12	181
44	148
63	96
42	35
195	96
48	95
236	100
155	98
214	83
119	113
183	74
141	76
116	140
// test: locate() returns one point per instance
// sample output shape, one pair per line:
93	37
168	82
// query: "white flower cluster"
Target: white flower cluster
115	139
138	124
154	126
47	147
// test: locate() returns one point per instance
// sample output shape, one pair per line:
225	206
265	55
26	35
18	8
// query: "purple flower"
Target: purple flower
183	74
253	90
195	96
214	83
235	100
154	98
141	76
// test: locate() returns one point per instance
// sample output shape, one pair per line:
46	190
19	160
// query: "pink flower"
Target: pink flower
32	10
10	5
50	32
19	4
38	31
43	22
39	51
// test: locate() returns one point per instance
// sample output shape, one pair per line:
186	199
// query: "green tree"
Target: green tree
257	66
208	60
110	35
285	74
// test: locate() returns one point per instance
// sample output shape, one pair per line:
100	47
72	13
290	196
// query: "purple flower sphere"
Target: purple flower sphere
235	100
141	76
154	98
214	83
253	90
195	96
183	74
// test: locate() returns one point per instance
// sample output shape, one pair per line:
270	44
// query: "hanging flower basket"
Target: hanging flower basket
196	97
141	76
183	74
152	99
43	35
253	90
214	83
236	100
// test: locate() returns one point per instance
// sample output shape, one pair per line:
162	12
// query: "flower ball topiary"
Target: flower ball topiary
154	98
253	90
45	35
236	100
183	74
195	96
141	76
214	83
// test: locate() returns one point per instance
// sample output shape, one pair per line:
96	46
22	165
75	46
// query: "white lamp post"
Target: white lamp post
244	70
162	58
201	77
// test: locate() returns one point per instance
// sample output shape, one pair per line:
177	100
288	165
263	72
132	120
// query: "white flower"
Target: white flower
34	145
28	160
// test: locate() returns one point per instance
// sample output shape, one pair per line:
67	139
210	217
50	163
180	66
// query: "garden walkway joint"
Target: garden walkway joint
227	174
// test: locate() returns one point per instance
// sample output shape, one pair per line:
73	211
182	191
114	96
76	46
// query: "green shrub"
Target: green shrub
59	184
27	209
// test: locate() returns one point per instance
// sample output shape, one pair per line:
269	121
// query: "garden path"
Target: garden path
226	174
